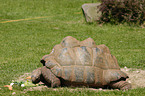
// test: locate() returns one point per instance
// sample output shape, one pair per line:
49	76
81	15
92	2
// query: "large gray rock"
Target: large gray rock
91	12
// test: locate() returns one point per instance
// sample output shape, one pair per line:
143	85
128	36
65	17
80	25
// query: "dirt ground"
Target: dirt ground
136	78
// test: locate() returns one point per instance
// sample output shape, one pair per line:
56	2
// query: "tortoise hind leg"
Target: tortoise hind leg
122	85
50	77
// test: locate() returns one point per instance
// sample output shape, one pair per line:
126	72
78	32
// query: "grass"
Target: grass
23	43
66	92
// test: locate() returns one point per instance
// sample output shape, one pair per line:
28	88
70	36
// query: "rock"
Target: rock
126	69
100	89
137	71
91	12
13	93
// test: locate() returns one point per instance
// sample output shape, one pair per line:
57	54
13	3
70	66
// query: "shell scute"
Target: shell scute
65	57
83	57
78	74
90	75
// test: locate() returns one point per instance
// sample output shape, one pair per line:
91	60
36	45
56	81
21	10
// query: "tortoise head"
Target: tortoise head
44	59
43	62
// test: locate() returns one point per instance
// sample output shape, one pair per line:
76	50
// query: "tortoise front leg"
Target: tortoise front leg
50	77
36	75
122	85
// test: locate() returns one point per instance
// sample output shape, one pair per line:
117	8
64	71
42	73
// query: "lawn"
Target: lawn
38	25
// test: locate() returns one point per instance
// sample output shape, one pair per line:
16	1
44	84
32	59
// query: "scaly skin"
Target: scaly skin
36	75
122	85
50	77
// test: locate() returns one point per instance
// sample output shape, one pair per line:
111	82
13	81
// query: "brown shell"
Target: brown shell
83	61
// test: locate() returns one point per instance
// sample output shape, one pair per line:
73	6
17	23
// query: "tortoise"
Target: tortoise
81	63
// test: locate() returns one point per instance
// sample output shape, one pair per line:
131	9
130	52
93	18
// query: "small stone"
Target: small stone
55	89
11	84
13	93
22	85
126	69
117	89
100	89
129	81
137	71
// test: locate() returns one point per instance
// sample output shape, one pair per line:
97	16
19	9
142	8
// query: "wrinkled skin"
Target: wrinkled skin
40	74
70	64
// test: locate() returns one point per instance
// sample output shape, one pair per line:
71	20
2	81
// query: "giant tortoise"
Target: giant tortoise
80	63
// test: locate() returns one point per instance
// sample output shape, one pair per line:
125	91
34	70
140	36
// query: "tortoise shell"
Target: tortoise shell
83	61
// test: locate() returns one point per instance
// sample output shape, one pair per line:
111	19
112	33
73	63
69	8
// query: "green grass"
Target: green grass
23	43
66	92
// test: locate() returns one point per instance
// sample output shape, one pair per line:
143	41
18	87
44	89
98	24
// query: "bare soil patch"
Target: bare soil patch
136	78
